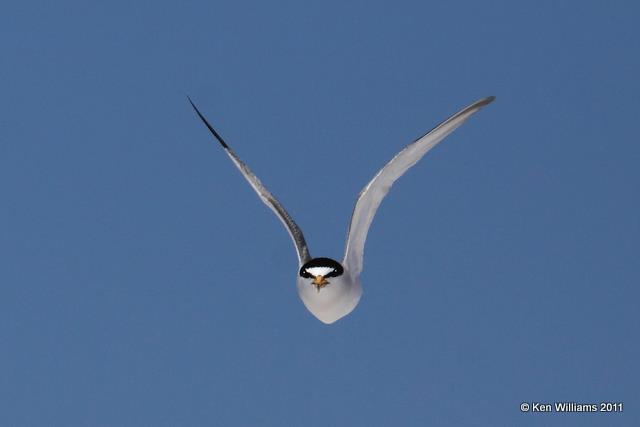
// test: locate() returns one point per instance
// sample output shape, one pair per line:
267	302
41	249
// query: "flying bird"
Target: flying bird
330	289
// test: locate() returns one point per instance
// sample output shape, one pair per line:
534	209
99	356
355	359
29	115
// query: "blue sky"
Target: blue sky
143	282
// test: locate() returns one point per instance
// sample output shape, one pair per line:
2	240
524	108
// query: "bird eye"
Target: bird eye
305	274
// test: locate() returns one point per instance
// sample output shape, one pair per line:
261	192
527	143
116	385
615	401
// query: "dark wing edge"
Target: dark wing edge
374	192
267	198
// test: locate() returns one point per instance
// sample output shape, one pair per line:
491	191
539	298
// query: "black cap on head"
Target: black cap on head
332	267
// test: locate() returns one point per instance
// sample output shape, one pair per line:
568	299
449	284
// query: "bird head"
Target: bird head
319	269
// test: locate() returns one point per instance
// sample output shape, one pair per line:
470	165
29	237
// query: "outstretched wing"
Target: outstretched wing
265	195
372	194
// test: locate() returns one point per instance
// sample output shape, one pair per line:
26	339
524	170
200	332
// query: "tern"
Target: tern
330	289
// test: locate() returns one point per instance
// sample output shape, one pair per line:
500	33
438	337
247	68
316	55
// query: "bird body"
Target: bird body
334	300
330	289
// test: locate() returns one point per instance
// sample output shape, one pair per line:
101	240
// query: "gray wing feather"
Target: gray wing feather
264	194
372	194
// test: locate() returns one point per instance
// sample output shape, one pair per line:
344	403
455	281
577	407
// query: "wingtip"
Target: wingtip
487	100
206	122
194	106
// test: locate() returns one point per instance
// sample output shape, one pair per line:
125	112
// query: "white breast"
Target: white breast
335	300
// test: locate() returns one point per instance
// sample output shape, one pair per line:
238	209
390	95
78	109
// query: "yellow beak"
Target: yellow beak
320	281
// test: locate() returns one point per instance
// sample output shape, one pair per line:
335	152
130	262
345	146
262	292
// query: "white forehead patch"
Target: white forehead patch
319	271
